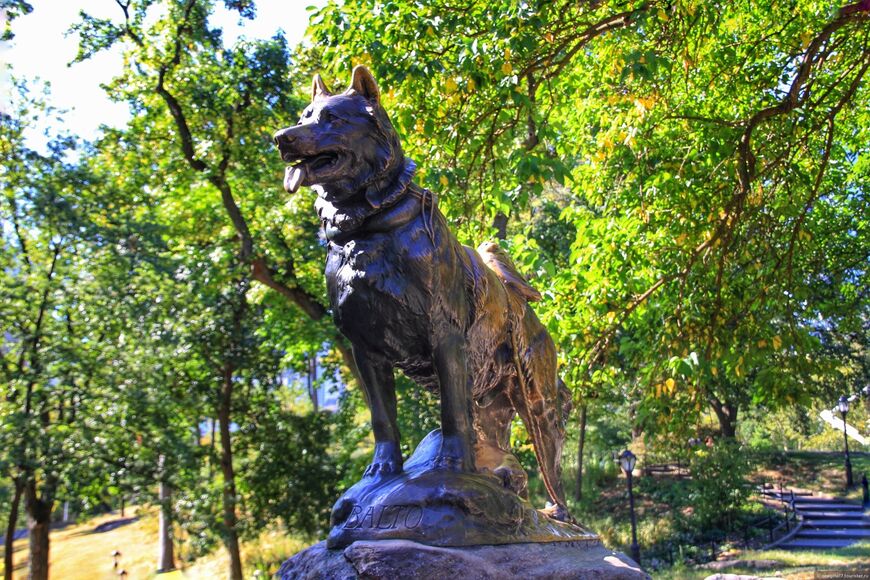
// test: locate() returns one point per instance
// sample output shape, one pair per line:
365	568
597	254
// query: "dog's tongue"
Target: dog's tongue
293	178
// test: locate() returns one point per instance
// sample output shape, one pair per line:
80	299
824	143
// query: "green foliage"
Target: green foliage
719	487
290	476
62	293
12	9
710	231
788	428
418	413
685	182
353	438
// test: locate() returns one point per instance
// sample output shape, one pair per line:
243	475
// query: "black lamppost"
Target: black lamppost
843	407
627	461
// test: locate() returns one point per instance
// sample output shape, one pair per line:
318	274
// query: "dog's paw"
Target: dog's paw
382	468
514	479
387	460
453	455
448	462
557	512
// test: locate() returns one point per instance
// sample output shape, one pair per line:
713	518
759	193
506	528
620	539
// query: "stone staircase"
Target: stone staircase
827	523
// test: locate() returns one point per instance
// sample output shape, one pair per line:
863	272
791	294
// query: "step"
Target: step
834	533
798	495
830	507
816	502
815	544
832	515
840	523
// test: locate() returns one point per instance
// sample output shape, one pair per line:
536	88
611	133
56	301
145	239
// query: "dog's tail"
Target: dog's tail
498	260
539	389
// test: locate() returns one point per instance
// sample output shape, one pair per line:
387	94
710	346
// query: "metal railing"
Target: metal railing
776	525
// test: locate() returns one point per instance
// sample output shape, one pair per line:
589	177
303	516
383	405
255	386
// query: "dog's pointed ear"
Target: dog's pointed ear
318	89
363	83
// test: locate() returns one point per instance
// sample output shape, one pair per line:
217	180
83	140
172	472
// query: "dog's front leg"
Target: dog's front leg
457	434
379	387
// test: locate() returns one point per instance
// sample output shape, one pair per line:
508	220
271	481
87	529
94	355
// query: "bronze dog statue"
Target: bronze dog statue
407	294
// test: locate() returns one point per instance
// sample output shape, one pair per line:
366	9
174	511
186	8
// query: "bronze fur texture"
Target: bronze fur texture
408	295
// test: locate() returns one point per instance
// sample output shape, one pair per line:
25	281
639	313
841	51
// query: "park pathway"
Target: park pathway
827	523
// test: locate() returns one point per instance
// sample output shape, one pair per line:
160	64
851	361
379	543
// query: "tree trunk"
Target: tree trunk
165	554
231	536
726	413
38	530
578	490
8	548
312	381
38	525
500	223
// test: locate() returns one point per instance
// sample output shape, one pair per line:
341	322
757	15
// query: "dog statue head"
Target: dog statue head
344	145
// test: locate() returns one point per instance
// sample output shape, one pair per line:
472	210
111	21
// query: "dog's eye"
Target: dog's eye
326	117
305	115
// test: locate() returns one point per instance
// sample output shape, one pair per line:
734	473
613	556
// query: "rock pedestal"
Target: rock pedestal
393	559
428	523
440	507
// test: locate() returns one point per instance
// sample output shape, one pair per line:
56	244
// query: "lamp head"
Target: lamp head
627	461
843	404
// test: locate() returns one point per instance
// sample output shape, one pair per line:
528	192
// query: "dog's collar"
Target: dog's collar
398	214
340	221
383	199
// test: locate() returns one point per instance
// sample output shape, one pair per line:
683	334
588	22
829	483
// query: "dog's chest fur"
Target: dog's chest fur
381	286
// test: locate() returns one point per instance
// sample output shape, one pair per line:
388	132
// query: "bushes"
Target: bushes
719	487
292	476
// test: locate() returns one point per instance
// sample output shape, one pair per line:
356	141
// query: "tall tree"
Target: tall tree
705	156
57	321
217	108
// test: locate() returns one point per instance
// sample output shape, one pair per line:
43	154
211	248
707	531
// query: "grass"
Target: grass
606	512
77	552
857	555
789	565
266	554
818	471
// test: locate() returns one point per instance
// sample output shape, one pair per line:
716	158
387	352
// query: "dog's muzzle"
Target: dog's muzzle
284	137
294	174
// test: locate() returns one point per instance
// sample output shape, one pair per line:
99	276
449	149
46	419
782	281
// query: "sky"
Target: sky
42	49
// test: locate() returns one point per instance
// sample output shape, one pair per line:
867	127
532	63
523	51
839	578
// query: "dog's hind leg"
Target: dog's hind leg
457	442
492	452
379	387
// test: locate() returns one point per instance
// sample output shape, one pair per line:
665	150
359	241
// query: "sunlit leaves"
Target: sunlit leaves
669	272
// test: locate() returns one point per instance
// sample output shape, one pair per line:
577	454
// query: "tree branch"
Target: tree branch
793	98
34	364
260	270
